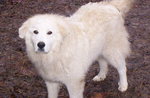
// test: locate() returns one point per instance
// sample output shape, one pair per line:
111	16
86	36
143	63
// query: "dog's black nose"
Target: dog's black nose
41	45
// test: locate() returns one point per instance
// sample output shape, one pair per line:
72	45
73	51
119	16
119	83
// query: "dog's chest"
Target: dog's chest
50	70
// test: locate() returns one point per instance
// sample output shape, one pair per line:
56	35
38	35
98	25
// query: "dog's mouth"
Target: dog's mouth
41	51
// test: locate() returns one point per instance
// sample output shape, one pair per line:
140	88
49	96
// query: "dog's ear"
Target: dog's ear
23	30
70	27
63	28
66	27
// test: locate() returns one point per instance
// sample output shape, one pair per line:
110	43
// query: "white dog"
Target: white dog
63	48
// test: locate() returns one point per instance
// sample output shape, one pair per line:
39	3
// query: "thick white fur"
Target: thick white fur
95	32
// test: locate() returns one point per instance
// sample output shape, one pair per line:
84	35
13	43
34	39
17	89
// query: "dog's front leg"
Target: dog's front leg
76	88
53	89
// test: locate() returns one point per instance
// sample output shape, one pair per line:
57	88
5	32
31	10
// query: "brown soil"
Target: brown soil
18	78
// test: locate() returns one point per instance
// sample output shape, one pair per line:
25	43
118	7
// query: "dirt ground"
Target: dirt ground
18	78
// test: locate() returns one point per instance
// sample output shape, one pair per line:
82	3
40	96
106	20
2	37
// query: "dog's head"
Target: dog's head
42	32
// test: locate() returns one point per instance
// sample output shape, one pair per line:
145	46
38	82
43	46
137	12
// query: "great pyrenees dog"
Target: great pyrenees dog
63	48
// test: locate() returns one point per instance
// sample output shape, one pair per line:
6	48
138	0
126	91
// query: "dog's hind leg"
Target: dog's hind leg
116	59
103	70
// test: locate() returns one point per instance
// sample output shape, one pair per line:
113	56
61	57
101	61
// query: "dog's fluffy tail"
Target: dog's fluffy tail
122	5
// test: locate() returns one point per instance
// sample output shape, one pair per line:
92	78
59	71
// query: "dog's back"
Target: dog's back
105	20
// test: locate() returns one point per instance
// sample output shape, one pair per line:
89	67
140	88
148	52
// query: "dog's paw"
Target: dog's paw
122	87
99	78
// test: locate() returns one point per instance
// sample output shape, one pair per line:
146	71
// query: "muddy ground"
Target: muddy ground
18	78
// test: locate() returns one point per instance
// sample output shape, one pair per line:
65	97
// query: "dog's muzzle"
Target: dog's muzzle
41	46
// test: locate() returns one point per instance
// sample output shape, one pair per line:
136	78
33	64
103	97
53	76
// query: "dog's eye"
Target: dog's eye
49	33
35	32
